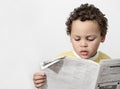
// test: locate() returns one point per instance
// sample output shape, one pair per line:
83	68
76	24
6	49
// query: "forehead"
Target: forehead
85	27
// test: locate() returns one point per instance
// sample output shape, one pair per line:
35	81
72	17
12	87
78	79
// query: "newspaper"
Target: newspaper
73	73
109	74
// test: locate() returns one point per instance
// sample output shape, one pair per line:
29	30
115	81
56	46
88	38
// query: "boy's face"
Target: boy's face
85	38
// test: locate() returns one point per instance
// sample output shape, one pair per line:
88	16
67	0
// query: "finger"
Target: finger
42	73
39	85
39	81
39	76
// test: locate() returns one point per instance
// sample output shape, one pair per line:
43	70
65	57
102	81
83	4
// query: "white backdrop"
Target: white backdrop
32	30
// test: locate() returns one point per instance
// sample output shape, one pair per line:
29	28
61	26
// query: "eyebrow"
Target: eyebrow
91	35
88	35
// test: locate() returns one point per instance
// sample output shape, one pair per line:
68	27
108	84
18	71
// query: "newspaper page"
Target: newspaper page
109	74
70	73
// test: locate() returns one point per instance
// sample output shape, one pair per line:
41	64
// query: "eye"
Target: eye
90	39
77	39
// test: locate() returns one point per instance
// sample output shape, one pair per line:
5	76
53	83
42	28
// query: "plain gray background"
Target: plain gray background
34	30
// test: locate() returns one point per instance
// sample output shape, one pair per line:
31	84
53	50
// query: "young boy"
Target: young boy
87	28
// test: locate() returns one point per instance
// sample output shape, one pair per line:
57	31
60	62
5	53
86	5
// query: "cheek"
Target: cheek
74	44
94	46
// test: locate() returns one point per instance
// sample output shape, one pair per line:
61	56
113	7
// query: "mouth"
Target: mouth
84	53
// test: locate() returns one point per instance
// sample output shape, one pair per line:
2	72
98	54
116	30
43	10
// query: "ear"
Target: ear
103	38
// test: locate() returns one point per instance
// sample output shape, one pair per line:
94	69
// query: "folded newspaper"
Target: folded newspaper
74	73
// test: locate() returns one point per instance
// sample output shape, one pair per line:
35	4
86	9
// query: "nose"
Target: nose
83	43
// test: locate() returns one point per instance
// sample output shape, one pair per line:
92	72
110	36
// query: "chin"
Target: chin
85	57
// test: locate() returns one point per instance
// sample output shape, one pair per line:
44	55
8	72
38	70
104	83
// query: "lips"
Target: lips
84	53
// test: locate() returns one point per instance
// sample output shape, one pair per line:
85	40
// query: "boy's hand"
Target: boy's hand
39	79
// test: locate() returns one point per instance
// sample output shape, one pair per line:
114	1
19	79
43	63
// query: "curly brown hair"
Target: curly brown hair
88	12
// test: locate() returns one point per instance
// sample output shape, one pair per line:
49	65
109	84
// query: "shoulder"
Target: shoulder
102	56
68	53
